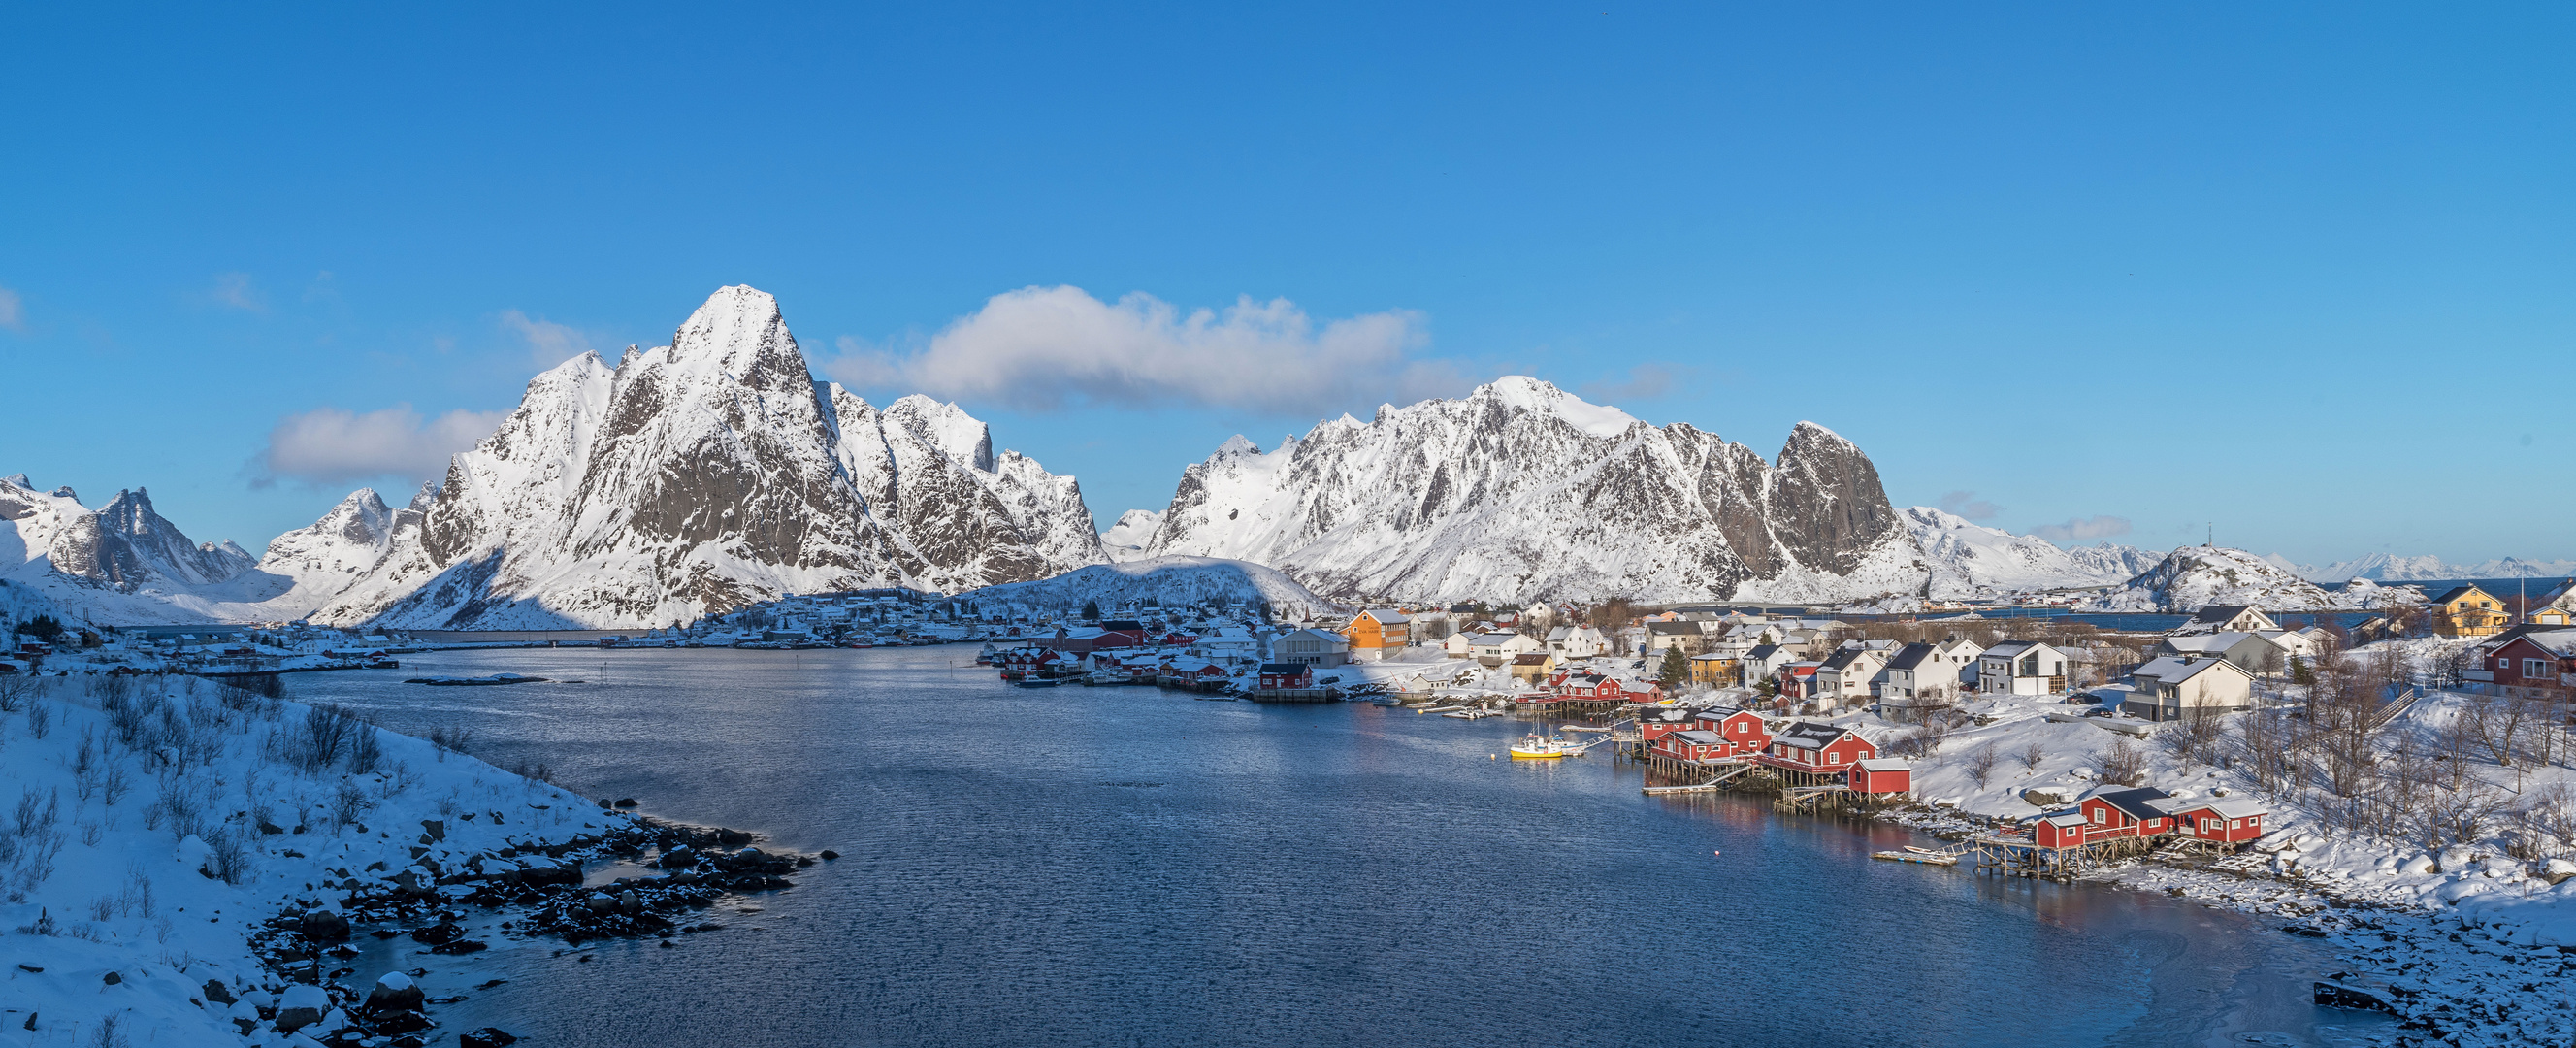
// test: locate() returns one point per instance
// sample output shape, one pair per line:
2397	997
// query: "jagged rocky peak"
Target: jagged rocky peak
1520	490
707	474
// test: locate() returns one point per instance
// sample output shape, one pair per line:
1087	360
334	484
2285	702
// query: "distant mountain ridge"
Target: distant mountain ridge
1969	560
2194	577
2387	567
1522	491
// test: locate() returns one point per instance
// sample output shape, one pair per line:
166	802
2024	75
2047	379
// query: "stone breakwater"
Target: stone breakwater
307	946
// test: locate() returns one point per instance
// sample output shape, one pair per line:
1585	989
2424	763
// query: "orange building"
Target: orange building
1376	633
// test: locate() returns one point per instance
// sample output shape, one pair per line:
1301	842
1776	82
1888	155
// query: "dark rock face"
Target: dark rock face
487	1037
1520	492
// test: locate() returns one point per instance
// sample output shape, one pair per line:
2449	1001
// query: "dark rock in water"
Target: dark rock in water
626	802
2304	930
385	933
38	968
386	1000
391	1023
2347	995
669	945
487	1037
113	978
732	838
326	926
829	855
460	946
679	858
491	983
218	993
438	934
604	802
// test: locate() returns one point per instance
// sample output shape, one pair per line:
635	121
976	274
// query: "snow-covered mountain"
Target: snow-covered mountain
120	563
2387	567
695	478
1171	581
1521	491
1970	560
2196	576
1126	539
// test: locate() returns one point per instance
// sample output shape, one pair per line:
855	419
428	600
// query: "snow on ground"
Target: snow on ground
118	797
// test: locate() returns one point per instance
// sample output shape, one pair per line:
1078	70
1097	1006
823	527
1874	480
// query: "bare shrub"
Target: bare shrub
227	858
321	737
2123	762
1981	764
17	689
539	771
348	804
115	783
451	739
366	750
2032	754
40	719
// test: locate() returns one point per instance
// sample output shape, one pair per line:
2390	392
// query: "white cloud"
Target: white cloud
235	290
2084	529
549	343
332	446
1967	504
13	311
1042	348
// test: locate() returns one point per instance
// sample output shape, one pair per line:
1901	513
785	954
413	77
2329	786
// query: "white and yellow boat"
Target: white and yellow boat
1535	748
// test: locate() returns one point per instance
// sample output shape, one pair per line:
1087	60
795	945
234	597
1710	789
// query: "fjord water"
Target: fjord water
1130	866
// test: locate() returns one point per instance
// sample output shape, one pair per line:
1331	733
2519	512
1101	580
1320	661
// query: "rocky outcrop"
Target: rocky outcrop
1521	491
2194	577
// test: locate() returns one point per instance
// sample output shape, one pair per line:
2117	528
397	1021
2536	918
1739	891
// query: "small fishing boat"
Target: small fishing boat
1536	748
1041	682
1582	727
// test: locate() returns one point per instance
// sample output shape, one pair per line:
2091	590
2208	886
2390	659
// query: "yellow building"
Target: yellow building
2467	611
1720	670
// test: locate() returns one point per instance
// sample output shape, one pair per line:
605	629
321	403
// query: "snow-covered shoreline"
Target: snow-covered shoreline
153	829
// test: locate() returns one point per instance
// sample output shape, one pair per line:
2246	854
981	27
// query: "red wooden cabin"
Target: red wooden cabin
1694	745
2124	813
2229	820
1880	775
1823	748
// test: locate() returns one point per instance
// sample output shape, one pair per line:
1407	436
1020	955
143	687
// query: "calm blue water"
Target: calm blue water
1127	866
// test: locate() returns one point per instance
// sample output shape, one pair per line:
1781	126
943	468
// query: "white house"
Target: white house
2022	667
1843	679
1961	654
2229	618
2166	688
1921	677
1500	647
1576	642
1307	647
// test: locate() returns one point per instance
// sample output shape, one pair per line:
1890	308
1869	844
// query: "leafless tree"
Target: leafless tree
2123	763
2032	754
1981	763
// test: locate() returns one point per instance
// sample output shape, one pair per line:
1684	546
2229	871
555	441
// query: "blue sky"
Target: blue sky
2301	271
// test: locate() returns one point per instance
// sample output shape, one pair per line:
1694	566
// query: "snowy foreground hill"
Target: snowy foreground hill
159	821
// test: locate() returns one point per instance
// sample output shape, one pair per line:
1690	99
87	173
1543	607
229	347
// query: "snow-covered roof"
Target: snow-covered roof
2226	807
1385	616
1911	656
2174	669
1878	764
2011	648
1809	735
1704	738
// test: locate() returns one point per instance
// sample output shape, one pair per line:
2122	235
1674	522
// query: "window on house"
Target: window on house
2099	816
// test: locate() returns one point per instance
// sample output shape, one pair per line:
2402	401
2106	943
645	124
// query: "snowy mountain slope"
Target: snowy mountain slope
2196	576
1126	539
2386	567
1171	581
1970	560
122	563
704	475
1521	491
